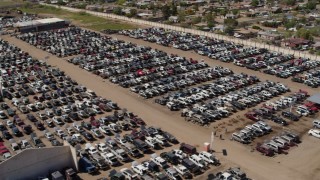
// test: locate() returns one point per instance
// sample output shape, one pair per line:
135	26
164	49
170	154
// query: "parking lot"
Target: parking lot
153	114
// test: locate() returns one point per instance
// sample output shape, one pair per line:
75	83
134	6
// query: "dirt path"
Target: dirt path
256	166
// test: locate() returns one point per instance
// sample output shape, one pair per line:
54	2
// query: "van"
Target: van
188	149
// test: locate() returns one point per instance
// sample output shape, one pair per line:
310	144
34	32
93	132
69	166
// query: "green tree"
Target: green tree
117	10
166	12
289	2
181	16
209	19
290	24
254	3
196	20
231	22
174	10
121	2
311	5
133	12
61	3
229	30
304	33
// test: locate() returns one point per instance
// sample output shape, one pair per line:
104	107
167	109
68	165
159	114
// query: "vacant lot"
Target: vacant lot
83	19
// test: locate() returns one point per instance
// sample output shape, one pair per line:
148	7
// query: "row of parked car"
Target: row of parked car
274	63
42	103
310	78
182	163
210	109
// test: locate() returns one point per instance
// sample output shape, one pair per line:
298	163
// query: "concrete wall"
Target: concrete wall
35	163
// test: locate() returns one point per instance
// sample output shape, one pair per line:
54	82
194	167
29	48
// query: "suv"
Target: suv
142	146
36	141
188	149
240	138
316	123
264	149
170	157
192	167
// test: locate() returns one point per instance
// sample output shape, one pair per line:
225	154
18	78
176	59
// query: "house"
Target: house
174	19
296	42
316	46
220	28
270	36
229	16
245	33
144	15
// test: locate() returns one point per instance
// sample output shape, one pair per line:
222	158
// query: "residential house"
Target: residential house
296	42
270	36
174	19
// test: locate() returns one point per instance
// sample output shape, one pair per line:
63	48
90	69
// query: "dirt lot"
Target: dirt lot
300	163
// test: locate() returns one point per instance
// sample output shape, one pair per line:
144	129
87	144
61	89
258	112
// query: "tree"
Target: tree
174	10
231	22
235	11
254	3
289	2
117	10
209	19
304	33
182	16
61	3
290	24
133	12
311	5
166	12
121	2
229	30
196	20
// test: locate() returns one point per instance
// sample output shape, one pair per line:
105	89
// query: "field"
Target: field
83	19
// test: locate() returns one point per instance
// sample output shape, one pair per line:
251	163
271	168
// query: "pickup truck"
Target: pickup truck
120	154
159	161
209	158
183	171
85	165
151	142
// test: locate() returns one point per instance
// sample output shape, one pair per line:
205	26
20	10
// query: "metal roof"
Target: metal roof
49	20
315	98
38	22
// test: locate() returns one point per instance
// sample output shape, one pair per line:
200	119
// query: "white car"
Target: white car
314	132
139	168
129	174
208	157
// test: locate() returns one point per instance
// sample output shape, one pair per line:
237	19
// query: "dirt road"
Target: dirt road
297	165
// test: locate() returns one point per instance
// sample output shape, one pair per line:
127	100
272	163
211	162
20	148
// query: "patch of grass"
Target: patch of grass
81	18
9	2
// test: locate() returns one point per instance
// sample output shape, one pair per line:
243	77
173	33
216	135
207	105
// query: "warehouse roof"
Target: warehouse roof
315	98
49	20
37	22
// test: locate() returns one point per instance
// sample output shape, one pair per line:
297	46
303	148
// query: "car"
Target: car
314	132
170	157
49	136
31	117
316	123
78	138
129	174
87	136
139	168
159	161
105	129
97	133
58	120
172	173
6	134
3	115
209	158
290	115
264	149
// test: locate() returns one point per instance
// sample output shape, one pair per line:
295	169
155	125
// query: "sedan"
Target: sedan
314	132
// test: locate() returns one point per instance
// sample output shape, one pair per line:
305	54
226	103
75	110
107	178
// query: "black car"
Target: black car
16	132
6	135
11	112
87	135
170	157
31	118
279	120
170	137
290	115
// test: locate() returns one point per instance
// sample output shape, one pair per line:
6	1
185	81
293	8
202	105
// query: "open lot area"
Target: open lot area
227	97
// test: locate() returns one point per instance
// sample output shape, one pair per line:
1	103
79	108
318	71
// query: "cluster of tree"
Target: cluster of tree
304	33
272	24
169	10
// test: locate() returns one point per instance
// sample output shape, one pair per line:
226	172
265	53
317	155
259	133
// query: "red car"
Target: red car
252	115
265	150
3	149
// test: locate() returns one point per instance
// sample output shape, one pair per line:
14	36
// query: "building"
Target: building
35	163
267	35
296	42
174	19
40	25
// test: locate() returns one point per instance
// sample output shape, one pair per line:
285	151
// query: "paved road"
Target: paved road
257	166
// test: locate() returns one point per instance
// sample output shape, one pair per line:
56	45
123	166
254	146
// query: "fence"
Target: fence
194	31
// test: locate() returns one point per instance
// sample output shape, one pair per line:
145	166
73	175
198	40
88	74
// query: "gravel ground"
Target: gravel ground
301	163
